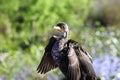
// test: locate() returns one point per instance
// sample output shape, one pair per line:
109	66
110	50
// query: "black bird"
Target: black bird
66	54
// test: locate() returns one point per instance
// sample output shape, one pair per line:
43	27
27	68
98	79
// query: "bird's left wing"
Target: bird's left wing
83	58
85	62
47	63
73	72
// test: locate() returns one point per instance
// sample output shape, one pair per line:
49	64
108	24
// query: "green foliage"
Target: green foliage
25	27
27	22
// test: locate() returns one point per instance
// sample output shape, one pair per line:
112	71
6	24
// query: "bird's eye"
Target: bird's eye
62	27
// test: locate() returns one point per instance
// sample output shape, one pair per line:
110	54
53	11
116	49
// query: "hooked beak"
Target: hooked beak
57	28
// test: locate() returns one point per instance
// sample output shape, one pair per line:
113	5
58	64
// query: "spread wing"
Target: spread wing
47	63
85	61
73	72
86	66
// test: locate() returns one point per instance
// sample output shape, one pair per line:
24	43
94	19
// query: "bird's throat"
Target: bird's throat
61	44
58	46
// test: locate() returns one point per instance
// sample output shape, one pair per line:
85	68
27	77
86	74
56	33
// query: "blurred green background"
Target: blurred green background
25	27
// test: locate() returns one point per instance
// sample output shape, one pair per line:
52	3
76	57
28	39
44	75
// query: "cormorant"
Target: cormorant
66	54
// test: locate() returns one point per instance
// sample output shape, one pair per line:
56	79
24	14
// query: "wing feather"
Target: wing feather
73	72
85	61
47	63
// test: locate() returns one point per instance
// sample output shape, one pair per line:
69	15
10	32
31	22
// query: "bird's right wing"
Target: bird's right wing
47	63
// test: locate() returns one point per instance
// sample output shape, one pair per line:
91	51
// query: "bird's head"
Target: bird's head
60	30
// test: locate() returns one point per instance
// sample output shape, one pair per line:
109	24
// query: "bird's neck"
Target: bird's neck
60	43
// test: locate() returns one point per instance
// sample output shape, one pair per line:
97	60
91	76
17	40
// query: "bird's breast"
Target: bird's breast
57	54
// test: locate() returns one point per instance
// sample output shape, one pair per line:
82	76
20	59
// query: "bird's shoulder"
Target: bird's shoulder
80	51
51	42
75	45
